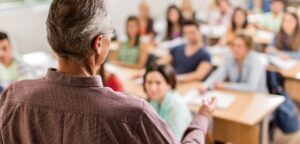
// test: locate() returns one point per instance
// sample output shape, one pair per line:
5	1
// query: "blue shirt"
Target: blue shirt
174	112
252	77
186	64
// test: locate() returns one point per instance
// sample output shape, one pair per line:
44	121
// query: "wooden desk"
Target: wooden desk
241	123
292	81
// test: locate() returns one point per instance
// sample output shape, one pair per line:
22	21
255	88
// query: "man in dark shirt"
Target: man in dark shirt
190	61
70	105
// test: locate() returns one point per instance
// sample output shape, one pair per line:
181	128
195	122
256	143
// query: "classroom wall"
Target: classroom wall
27	27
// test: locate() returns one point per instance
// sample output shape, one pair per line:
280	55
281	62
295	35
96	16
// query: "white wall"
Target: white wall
27	26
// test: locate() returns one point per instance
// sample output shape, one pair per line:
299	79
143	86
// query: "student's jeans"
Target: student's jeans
286	116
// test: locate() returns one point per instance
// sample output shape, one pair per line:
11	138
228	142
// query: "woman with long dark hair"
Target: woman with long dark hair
132	53
239	24
286	43
174	23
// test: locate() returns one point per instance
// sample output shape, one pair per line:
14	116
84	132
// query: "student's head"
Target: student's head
133	28
239	18
79	31
5	48
241	46
186	5
191	32
290	23
223	5
174	15
290	27
277	6
158	81
144	9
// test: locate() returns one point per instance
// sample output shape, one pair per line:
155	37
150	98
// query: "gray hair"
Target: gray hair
72	26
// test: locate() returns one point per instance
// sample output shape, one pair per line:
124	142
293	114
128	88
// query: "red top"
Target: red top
114	83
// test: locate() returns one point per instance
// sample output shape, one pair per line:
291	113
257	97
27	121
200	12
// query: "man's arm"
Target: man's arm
202	71
152	129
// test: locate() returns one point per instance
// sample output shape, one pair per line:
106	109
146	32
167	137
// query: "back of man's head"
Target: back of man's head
72	26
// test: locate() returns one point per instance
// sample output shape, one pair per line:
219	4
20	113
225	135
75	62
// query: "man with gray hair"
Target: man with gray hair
70	105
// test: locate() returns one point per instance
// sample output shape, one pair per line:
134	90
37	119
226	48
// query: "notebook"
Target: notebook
223	100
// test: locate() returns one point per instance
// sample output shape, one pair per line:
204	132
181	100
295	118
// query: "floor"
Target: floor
287	139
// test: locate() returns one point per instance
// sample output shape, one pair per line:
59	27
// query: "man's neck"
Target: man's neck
196	45
72	67
192	48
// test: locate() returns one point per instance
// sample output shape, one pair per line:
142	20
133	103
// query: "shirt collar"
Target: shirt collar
66	79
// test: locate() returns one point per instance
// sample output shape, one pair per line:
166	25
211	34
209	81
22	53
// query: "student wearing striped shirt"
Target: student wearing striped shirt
132	53
12	69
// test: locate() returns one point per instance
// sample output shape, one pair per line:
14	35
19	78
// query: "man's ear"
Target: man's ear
97	44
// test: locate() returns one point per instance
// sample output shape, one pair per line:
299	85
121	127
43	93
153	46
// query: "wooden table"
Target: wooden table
241	123
292	81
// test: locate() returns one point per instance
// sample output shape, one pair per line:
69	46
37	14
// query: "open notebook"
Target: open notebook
223	100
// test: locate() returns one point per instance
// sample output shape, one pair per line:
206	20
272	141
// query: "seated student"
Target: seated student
191	61
12	69
132	53
258	6
271	21
146	22
110	80
244	71
286	43
187	10
221	13
174	23
159	85
239	24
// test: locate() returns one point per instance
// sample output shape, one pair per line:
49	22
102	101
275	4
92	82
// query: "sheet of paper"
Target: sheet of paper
223	100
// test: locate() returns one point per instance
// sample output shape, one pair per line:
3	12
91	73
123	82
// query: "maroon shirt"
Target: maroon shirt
66	109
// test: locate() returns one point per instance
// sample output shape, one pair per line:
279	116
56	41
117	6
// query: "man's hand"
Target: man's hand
208	107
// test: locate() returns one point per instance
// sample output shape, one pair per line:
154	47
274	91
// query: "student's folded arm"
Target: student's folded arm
202	71
217	76
255	76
